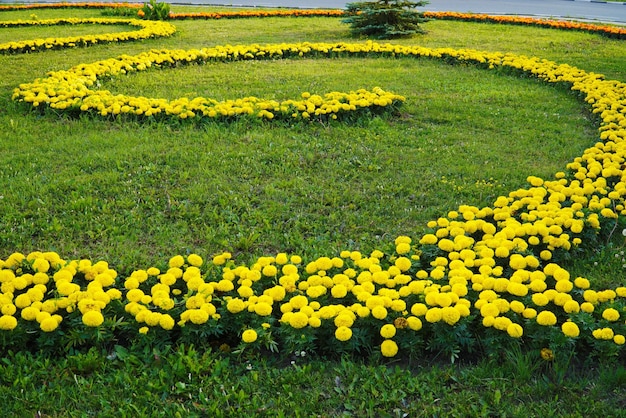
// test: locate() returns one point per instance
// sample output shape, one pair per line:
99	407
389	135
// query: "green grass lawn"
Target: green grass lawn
135	194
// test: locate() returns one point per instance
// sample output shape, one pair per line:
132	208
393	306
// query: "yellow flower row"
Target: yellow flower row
70	90
149	29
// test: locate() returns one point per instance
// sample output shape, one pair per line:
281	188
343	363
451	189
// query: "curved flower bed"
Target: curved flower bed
606	30
149	29
480	277
68	5
70	90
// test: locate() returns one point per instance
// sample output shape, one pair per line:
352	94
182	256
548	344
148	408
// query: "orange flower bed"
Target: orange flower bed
64	5
607	30
258	13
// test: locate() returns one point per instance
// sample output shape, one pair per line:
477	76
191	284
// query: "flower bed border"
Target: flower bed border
149	29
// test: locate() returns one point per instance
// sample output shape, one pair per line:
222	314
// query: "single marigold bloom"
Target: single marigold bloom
249	336
389	348
343	333
570	329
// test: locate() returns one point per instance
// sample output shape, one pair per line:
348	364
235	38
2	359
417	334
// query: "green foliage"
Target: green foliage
154	10
385	19
120	11
186	381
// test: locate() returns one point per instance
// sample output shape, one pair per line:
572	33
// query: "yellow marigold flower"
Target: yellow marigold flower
529	313
450	315
419	309
442	299
198	316
224	286
619	339
414	323
363	312
402	239
515	330
339	291
235	305
8	309
193	259
343	320
517	289
389	348
93	318
545	255
263	309
501	323
488	321
403	248
590	296
388	331
144	330
270	270
281	259
343	333
561	274
610	314
403	263
398	305
49	324
298	320
166	322
571	306
177	261
433	315
41	265
249	336
245	291
570	329
315	322
428	239
540	299
517	306
22	301
8	322
379	312
489	309
587	307
131	283
298	301
546	318
134	295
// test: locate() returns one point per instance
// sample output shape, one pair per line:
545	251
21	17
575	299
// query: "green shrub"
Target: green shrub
385	19
156	11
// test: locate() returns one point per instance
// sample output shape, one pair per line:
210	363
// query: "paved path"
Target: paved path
577	9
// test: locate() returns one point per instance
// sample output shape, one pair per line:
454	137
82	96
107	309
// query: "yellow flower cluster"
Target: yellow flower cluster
149	29
71	89
50	291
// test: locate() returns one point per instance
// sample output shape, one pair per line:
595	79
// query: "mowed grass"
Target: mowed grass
135	194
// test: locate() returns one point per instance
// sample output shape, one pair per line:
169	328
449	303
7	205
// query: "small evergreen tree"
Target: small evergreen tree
385	19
